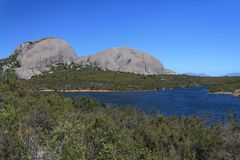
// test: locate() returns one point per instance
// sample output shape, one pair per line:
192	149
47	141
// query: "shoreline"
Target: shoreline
75	90
236	93
89	90
220	92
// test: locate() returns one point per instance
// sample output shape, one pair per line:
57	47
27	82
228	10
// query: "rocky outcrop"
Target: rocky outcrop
25	73
34	57
237	92
125	60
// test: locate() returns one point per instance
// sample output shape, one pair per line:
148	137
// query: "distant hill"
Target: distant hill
233	74
197	74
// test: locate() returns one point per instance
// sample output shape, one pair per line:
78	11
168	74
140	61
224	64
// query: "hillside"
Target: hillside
87	77
234	74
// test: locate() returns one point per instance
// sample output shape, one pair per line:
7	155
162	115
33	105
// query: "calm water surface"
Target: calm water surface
179	102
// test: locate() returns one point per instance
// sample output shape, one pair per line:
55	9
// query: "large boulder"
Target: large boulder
24	73
125	60
34	57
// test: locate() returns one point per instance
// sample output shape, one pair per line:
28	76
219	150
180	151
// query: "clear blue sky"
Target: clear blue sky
185	35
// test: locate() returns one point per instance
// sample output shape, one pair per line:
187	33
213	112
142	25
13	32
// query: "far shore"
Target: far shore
90	90
221	92
237	94
76	90
105	90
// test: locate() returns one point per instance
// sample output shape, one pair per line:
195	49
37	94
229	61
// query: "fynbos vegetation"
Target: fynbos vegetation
79	77
38	125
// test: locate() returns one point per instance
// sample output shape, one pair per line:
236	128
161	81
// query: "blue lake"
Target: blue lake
179	102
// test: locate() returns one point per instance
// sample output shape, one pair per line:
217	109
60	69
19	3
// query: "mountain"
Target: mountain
197	74
35	57
125	60
170	72
233	74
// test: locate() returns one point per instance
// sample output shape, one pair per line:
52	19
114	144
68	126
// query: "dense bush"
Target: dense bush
86	103
36	125
94	78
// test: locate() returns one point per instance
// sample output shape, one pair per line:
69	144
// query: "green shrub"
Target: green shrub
86	103
37	125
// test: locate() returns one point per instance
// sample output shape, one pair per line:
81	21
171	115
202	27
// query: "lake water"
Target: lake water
179	102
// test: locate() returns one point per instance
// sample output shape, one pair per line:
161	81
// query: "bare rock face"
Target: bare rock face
237	92
125	60
34	57
25	73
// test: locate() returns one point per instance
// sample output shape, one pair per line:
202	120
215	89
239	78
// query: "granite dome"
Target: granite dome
35	57
125	60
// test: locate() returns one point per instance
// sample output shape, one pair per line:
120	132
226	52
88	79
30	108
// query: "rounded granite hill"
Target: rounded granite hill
35	57
125	60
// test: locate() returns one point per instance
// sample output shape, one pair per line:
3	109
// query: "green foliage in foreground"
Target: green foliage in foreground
77	77
36	125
